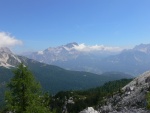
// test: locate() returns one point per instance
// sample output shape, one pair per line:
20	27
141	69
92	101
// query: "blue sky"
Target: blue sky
40	24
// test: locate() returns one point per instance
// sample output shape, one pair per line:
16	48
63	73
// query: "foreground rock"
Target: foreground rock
131	99
89	110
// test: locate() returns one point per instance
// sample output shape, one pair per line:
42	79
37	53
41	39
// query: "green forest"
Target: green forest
25	95
83	99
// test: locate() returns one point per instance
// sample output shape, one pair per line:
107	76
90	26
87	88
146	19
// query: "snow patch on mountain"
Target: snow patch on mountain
3	60
6	65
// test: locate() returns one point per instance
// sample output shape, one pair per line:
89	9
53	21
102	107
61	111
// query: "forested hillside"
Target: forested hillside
79	100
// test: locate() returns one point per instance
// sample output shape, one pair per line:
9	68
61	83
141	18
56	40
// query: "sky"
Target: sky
32	25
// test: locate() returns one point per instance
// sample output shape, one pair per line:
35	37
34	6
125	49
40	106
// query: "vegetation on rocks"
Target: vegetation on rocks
83	99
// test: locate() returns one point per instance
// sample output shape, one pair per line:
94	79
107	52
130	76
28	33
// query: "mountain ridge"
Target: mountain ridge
7	58
56	77
53	78
133	61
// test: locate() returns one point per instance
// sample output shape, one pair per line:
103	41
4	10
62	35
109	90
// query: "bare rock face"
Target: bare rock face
7	58
132	98
5	50
89	110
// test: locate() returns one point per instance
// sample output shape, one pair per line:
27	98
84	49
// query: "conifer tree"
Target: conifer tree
148	100
24	93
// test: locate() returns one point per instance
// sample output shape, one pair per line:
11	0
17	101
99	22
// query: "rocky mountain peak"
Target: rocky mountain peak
7	58
5	50
70	45
143	48
61	48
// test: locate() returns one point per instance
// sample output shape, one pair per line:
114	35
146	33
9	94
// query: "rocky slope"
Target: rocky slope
89	110
7	58
131	98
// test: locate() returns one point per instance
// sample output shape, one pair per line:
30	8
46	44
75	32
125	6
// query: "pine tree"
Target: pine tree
24	94
148	100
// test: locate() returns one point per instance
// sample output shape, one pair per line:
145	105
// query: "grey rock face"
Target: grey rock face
5	50
89	110
132	99
8	59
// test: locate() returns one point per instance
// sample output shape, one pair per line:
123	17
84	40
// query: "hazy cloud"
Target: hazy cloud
83	47
6	40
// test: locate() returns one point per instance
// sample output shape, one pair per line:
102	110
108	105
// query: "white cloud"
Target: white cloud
83	47
6	40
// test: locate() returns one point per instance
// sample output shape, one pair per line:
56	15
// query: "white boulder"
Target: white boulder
89	110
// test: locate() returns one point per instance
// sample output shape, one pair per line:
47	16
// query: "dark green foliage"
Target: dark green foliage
91	97
5	75
24	94
148	100
55	79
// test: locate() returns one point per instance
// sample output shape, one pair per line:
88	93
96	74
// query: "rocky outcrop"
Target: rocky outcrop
89	110
8	59
131	99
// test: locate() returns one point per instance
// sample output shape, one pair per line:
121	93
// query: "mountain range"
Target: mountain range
132	61
53	78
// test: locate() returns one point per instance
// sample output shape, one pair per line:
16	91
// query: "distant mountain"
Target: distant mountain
143	48
61	53
69	57
133	61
